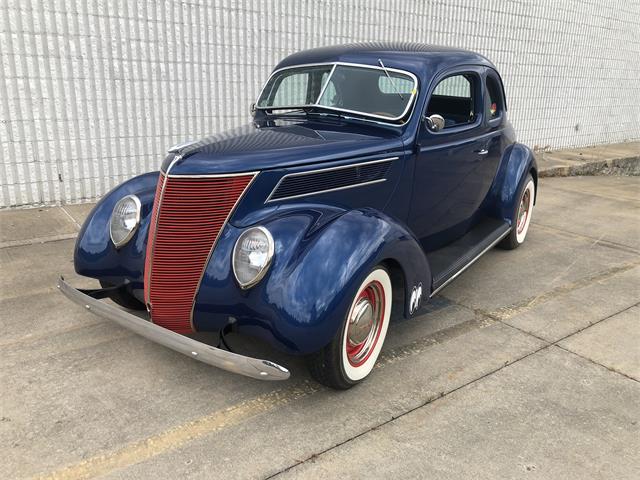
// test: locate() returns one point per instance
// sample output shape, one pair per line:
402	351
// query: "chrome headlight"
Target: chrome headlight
252	256
125	219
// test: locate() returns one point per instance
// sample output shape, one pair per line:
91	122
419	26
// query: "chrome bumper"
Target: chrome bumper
232	362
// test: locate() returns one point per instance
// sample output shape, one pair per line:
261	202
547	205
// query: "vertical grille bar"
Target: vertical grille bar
185	225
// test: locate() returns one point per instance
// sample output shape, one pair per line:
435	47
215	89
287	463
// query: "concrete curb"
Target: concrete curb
615	159
616	166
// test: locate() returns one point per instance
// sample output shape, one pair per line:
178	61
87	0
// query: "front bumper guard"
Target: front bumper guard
232	362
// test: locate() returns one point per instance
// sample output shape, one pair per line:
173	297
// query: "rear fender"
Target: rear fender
517	162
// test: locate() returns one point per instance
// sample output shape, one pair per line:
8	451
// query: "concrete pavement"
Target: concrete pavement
527	365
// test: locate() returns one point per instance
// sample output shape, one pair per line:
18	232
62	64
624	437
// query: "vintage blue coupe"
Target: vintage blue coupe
370	177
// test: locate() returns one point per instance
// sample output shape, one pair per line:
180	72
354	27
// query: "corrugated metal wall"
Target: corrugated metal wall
93	92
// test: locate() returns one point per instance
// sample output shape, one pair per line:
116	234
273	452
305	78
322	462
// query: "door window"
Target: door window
454	99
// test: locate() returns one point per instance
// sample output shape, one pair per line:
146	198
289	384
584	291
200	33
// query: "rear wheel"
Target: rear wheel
123	298
521	216
352	354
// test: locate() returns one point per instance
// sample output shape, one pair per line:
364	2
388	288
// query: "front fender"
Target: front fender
321	256
517	161
95	255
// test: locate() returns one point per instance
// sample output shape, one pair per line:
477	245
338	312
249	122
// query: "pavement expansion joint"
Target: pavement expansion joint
507	312
546	345
176	437
596	241
75	222
611	369
431	399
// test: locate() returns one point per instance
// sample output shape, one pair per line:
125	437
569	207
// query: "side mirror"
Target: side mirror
252	109
434	122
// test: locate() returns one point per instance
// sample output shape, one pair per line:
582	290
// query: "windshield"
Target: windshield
382	93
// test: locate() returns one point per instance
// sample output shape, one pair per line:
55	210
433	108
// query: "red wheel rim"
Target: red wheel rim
364	323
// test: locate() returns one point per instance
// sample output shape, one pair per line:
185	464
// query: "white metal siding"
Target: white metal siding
93	92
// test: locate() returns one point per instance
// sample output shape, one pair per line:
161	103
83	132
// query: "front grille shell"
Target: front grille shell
188	215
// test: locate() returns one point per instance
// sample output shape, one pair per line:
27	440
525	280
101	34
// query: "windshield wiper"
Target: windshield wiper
319	110
393	84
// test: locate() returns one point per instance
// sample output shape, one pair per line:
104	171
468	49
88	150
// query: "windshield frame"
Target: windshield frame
384	119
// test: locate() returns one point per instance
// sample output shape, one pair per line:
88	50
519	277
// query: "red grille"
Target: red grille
185	224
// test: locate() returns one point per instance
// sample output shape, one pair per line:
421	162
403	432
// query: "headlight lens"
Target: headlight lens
124	220
252	256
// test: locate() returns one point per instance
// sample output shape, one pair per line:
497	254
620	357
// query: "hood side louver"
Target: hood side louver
295	185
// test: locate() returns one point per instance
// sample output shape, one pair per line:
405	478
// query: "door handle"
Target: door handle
483	151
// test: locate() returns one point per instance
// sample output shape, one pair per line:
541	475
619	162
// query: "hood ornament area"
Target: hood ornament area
181	146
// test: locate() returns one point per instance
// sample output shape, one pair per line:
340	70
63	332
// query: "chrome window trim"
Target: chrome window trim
387	120
322	170
326	84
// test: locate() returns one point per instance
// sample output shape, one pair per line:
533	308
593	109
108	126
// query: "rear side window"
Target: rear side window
495	103
456	86
454	99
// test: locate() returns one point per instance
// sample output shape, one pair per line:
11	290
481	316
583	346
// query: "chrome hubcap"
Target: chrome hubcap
523	210
365	320
361	322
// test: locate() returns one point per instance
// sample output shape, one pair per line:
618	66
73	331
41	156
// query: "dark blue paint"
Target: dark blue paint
252	209
94	254
263	145
327	243
452	179
518	161
321	257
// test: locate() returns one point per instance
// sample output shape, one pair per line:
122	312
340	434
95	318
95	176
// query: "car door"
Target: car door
450	174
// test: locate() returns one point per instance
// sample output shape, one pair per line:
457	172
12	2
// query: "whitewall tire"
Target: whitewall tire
353	352
372	304
525	210
521	216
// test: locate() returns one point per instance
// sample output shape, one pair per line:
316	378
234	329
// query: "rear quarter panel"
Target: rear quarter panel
517	162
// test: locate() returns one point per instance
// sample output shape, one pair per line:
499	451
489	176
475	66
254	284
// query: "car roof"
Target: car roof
417	58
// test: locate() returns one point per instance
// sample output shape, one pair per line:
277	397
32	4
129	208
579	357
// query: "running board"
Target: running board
450	261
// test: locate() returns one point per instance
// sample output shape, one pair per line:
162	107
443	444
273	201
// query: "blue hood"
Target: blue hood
281	144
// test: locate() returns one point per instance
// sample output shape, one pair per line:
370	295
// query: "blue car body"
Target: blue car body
436	186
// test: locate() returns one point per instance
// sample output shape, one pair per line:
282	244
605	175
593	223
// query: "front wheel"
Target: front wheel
353	352
521	216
